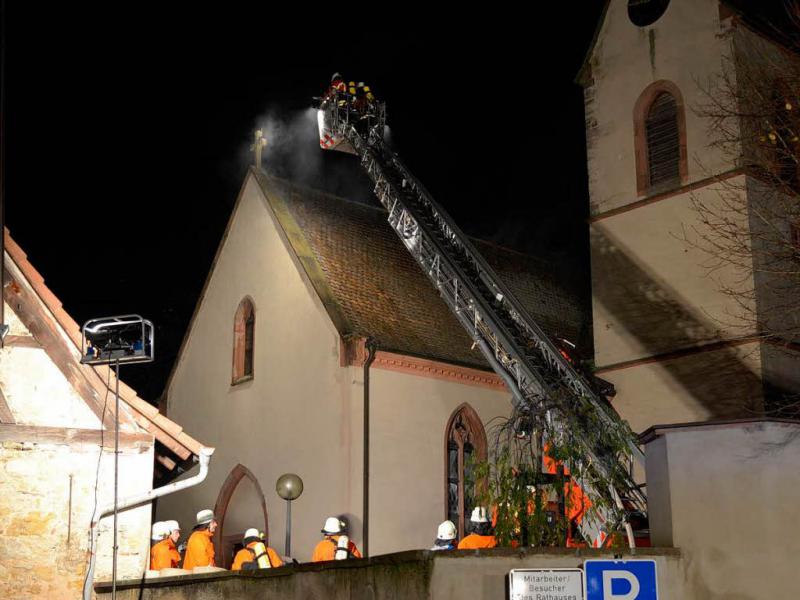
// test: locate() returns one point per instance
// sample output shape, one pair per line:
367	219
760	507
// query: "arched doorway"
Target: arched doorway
224	545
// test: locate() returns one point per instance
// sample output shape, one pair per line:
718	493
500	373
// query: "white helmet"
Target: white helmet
159	531
447	531
205	516
479	515
252	532
172	526
332	526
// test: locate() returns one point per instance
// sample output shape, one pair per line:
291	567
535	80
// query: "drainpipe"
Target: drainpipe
135	501
372	347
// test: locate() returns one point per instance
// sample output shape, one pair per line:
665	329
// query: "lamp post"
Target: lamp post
289	487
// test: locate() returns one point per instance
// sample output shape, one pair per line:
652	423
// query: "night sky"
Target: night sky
127	135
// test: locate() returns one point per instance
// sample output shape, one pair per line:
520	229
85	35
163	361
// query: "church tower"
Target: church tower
677	345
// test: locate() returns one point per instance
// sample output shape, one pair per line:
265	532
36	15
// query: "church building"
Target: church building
312	312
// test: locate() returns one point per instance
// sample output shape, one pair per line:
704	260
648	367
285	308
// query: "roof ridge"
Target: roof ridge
308	188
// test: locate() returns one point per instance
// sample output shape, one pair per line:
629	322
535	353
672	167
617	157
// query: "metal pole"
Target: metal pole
116	487
2	154
287	548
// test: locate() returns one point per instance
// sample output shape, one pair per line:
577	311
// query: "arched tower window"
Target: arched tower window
244	325
465	442
660	139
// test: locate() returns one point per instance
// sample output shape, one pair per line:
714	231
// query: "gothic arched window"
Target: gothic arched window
660	139
465	443
244	325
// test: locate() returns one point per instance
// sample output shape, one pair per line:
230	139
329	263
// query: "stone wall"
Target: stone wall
413	575
47	497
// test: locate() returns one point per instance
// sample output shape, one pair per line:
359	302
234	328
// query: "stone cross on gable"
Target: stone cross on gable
259	141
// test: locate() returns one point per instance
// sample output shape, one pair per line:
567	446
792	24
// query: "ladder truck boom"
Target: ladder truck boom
518	350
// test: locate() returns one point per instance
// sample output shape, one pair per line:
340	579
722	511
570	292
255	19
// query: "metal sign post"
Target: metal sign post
111	341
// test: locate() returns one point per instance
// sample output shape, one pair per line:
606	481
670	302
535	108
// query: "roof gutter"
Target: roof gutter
135	501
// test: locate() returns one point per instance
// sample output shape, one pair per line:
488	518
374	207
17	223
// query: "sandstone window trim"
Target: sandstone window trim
641	111
244	342
464	436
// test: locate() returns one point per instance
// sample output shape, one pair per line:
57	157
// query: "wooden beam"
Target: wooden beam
21	341
6	416
166	461
70	436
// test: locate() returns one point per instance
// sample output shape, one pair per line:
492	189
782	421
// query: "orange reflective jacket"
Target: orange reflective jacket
199	550
164	555
326	549
474	541
244	555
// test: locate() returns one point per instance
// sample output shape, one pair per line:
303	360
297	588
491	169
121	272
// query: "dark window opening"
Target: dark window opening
663	142
249	330
244	325
466	444
646	12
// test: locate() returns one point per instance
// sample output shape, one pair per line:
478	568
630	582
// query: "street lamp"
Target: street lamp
289	487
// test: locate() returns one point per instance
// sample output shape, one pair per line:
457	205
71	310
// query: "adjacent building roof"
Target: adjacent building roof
371	286
60	336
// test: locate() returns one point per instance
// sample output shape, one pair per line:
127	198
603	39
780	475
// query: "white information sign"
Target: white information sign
546	584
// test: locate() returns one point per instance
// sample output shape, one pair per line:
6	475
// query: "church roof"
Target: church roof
60	337
371	286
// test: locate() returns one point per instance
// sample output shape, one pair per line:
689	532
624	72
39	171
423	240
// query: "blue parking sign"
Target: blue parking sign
620	580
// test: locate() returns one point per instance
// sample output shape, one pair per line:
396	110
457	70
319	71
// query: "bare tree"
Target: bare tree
752	225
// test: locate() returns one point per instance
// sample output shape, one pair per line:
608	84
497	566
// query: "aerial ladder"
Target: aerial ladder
540	377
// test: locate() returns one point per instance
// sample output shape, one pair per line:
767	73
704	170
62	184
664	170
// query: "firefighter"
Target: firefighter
255	554
164	554
157	534
360	103
369	95
334	544
200	549
481	536
337	86
445	537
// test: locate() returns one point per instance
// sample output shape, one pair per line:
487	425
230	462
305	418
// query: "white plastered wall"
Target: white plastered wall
298	414
727	497
35	389
409	417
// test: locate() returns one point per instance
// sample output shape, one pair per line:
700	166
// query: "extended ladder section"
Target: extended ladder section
531	365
